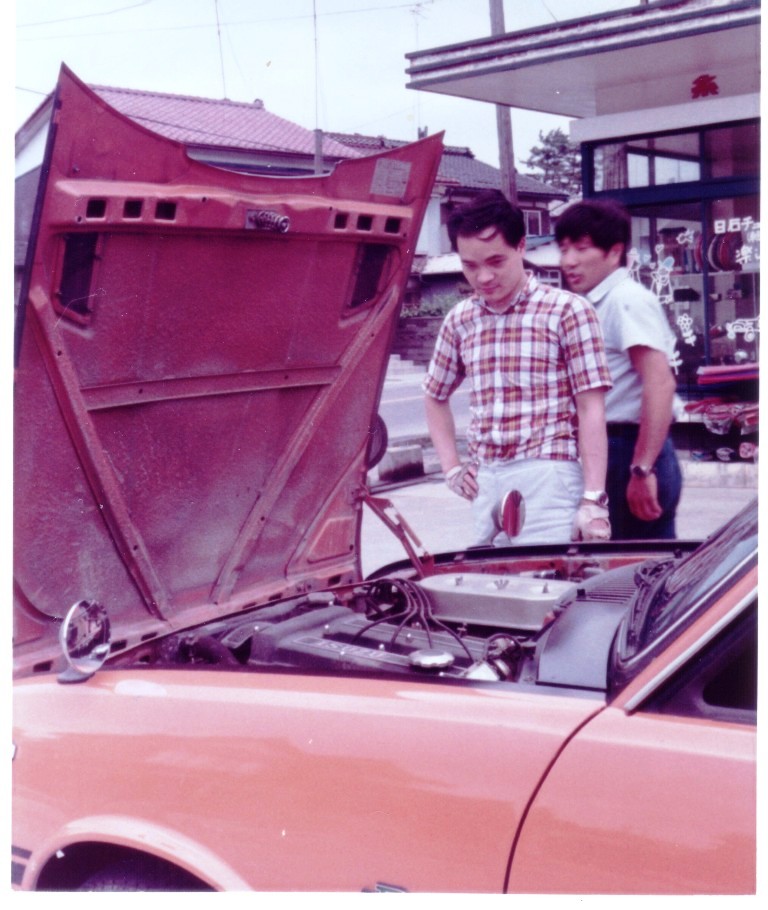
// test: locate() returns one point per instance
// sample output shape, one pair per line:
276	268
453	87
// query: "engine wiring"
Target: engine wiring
418	608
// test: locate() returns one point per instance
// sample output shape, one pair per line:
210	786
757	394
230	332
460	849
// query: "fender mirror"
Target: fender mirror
510	513
84	638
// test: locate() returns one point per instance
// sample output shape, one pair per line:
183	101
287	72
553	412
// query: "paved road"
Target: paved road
402	406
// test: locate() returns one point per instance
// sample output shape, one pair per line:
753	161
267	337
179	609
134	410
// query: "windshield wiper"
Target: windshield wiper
649	578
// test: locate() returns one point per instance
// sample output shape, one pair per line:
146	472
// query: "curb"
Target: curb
401	462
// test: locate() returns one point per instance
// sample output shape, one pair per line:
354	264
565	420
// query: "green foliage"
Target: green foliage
557	161
421	309
433	301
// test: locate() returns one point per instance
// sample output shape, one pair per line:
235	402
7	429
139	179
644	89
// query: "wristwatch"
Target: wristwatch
599	497
641	470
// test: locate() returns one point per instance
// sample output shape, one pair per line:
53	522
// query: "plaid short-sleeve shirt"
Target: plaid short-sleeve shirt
524	367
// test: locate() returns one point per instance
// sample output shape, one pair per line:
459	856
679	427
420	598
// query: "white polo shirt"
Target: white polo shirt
630	315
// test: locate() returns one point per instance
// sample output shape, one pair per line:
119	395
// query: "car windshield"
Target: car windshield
670	590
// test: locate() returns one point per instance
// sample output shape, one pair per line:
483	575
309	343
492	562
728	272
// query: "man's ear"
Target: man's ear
616	254
521	246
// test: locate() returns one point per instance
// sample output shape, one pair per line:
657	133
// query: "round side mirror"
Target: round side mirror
378	440
85	638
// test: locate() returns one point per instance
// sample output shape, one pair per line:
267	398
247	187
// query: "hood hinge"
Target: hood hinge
385	511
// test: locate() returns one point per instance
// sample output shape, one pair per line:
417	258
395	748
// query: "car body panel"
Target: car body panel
623	810
365	779
645	802
202	351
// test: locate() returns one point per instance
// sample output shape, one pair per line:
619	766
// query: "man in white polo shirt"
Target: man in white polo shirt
644	479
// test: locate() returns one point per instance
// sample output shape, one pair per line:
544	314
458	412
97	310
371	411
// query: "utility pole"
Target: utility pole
504	119
318	151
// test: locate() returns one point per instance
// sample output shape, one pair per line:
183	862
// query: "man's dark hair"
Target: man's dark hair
606	223
490	208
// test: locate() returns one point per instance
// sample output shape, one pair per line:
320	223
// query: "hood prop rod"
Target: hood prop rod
381	507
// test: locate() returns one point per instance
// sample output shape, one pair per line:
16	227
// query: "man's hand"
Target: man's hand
462	480
642	498
591	522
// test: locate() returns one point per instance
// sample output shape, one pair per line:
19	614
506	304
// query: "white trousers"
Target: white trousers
551	492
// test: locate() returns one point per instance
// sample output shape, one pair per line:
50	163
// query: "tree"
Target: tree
557	161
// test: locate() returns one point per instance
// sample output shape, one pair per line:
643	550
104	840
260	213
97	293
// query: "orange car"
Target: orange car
208	695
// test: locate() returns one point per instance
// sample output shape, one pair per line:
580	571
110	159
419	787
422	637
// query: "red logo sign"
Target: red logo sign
704	85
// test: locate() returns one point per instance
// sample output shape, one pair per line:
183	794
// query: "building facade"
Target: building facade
664	98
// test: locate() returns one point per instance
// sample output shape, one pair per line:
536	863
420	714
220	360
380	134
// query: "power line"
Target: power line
32	91
109	12
554	17
159	28
221	52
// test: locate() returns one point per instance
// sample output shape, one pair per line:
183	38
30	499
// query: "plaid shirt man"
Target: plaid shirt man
524	366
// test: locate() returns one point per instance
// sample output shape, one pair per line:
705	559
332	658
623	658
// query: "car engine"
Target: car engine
473	625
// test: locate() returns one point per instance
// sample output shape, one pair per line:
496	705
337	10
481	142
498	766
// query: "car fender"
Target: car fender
140	835
281	760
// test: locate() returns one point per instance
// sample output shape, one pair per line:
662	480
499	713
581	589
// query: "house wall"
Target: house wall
430	240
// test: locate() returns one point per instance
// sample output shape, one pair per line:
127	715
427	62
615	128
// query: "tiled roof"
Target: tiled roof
217	123
468	172
458	166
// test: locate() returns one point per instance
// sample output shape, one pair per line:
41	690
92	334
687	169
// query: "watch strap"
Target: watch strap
599	497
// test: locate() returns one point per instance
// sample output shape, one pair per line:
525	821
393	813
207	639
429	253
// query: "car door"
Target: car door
657	797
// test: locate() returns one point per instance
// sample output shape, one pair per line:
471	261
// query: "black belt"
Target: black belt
622	429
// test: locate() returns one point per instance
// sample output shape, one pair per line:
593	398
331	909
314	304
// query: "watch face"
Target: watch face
639	471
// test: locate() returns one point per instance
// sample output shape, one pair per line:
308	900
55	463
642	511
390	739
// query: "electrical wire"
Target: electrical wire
221	52
109	12
418	607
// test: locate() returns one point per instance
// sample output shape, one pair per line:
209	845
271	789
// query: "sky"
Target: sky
337	65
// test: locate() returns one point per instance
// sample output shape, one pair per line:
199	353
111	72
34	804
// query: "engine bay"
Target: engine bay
476	625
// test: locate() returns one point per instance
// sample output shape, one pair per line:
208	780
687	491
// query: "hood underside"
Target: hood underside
200	359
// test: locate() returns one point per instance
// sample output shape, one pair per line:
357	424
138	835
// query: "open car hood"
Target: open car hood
200	356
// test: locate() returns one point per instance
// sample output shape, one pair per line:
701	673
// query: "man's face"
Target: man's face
493	267
586	265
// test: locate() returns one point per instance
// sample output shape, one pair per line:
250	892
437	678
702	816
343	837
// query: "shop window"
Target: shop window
652	161
733	151
693	197
712	153
705	272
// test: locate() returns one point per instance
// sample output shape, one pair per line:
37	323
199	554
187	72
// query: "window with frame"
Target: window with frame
533	222
551	277
712	153
719	683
